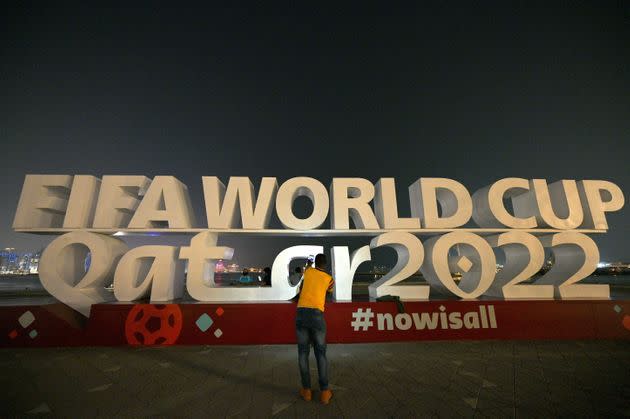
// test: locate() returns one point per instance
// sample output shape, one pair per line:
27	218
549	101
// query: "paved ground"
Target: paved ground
427	379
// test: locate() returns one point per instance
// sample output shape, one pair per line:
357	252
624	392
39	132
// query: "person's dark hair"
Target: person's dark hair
267	270
320	261
245	272
298	270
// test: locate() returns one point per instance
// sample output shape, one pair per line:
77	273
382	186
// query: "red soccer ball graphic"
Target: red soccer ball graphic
149	324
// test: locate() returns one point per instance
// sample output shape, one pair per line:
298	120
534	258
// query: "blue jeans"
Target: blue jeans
310	328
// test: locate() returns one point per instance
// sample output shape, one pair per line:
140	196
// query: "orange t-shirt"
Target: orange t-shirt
314	287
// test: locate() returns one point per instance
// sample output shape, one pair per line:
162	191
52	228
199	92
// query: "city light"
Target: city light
13	263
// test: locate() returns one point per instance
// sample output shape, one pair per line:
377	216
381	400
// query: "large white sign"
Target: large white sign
92	213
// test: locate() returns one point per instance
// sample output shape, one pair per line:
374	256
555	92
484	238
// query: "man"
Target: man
310	327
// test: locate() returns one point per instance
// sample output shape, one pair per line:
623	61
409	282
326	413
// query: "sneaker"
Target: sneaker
305	393
325	396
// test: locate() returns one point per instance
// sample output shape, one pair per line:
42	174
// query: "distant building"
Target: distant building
13	263
219	266
33	266
234	267
8	260
380	269
24	263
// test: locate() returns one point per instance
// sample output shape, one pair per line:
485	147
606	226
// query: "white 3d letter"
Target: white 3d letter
476	261
82	202
154	270
344	266
165	204
352	196
593	203
221	209
62	268
524	256
575	257
118	199
280	271
302	186
386	207
549	201
410	256
201	256
488	208
43	201
453	197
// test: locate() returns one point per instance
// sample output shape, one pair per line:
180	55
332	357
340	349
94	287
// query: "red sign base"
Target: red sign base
274	323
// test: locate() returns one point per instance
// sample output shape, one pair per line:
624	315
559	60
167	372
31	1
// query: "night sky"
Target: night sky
474	93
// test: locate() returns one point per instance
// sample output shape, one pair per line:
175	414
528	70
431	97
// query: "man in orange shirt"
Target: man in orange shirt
310	327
